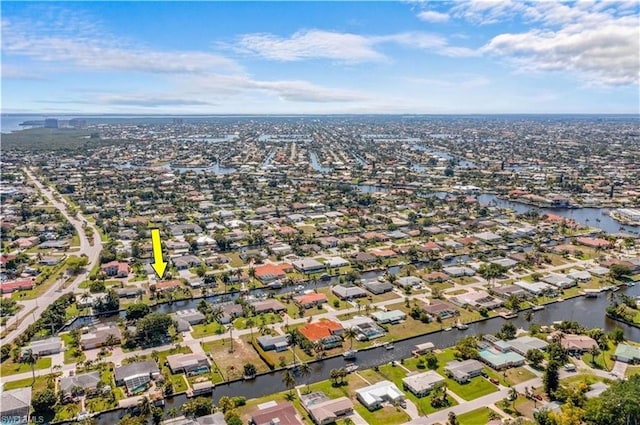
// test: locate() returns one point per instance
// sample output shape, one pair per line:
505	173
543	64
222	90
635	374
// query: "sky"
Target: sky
411	57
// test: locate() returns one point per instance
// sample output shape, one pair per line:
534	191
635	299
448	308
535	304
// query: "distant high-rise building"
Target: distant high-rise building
178	121
77	123
51	123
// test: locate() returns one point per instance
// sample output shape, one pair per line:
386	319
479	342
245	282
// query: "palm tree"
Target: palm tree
250	324
594	351
513	395
230	329
288	379
350	334
145	406
29	359
305	370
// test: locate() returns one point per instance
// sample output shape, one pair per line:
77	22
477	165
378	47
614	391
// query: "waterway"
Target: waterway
593	217
317	165
578	309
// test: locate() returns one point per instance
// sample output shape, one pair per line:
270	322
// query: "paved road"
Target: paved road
91	251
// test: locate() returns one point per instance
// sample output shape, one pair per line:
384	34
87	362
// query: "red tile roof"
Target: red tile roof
317	330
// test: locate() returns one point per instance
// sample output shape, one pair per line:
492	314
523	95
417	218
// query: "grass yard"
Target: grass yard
603	360
475	417
65	412
388	415
477	387
231	366
632	370
511	376
8	367
208	329
41	384
71	354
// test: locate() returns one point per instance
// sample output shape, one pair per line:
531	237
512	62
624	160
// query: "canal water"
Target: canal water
578	309
593	217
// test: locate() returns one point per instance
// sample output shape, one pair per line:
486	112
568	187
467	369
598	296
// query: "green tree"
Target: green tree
535	357
196	407
154	327
467	348
551	379
350	334
431	360
43	402
29	359
617	405
226	404
137	311
156	415
249	369
452	419
288	379
232	418
508	331
617	335
130	420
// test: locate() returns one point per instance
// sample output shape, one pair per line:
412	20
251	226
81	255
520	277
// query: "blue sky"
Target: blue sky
325	57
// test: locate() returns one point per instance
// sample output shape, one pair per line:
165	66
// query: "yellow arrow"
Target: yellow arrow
158	265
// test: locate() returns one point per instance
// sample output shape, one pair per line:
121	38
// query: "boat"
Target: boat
537	307
448	329
349	354
351	367
462	326
388	346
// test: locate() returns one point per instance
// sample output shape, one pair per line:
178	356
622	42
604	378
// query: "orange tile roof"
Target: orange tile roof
317	330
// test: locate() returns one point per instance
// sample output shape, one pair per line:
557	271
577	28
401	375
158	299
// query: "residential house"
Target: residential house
274	413
87	383
458	271
15	404
44	347
627	353
437	308
365	328
373	396
269	272
377	287
191	363
310	300
100	336
336	262
323	410
308	265
421	384
16	285
559	280
268	306
136	376
407	282
393	316
463	371
577	344
536	288
345	292
191	316
185	262
477	299
115	269
277	343
327	331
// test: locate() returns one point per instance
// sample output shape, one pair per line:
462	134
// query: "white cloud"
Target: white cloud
91	50
433	16
455	81
603	49
311	44
345	47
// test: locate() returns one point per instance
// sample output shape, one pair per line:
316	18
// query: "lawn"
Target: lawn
65	412
477	387
231	365
208	329
41	383
475	417
388	415
71	354
8	367
511	376
632	370
603	360
395	374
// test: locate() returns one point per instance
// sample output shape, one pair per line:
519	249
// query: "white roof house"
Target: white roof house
374	395
421	384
